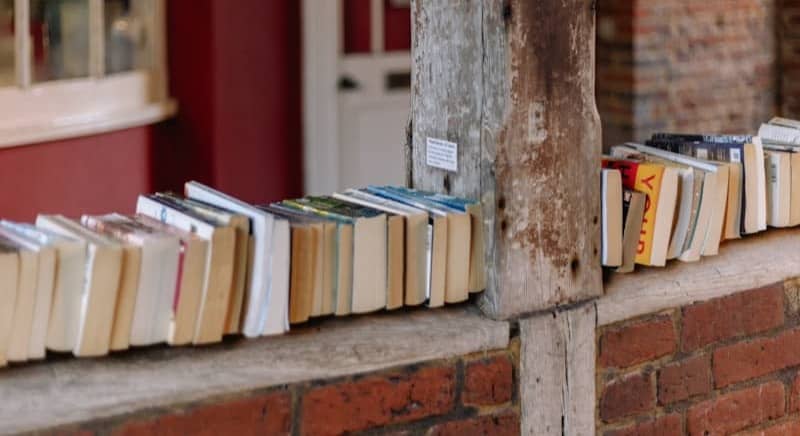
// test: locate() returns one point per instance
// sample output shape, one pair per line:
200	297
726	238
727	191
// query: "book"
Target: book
267	294
9	267
98	298
63	314
369	248
191	277
458	233
713	235
779	134
632	215
45	283
611	217
325	259
23	304
417	241
242	254
213	309
648	178
154	293
778	173
794	153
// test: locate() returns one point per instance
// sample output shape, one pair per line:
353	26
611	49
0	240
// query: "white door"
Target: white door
365	80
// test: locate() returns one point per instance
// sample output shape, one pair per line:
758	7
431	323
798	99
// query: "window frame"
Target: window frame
60	109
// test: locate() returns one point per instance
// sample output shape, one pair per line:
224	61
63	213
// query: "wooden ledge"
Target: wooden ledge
49	394
749	263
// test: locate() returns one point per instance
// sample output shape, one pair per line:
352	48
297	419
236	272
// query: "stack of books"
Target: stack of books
678	196
191	269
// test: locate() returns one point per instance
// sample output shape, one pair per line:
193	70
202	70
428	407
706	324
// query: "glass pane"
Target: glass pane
126	33
7	42
396	25
357	26
59	39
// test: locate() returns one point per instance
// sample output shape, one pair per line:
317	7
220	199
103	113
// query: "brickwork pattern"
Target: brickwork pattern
725	366
471	395
688	65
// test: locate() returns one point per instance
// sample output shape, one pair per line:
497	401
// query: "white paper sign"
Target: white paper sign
442	154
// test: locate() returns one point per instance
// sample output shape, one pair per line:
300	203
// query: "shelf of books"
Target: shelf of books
188	270
679	196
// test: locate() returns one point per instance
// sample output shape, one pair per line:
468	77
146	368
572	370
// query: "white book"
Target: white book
65	311
268	290
46	245
780	135
97	299
9	268
27	287
778	178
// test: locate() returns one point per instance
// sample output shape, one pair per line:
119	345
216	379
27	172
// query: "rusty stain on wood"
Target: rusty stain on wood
512	83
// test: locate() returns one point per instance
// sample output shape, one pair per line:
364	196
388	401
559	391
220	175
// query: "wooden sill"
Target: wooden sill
752	262
69	391
90	124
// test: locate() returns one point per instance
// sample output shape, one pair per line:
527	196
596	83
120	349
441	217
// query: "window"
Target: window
76	67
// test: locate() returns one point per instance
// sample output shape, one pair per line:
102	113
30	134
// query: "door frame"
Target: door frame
320	55
320	62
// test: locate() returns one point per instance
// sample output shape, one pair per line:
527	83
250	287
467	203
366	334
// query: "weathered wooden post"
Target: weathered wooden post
512	84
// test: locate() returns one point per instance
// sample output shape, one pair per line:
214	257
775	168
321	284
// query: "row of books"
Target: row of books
190	269
678	196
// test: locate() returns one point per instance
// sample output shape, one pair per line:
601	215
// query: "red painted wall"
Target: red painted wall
257	132
94	174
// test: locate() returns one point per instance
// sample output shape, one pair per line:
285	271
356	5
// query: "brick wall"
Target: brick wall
686	65
789	56
472	395
723	366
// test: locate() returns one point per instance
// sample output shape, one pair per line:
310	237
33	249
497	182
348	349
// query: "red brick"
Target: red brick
786	428
747	360
682	380
669	425
794	395
736	410
637	342
377	401
266	414
488	382
503	425
791	428
737	315
628	396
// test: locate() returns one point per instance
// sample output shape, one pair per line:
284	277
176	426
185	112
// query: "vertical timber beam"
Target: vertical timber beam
557	372
512	83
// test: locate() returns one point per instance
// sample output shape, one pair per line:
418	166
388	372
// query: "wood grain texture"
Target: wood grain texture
748	263
70	391
557	368
512	83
